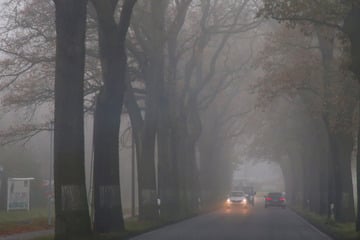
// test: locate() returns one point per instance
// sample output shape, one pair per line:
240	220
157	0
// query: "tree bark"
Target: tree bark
213	186
357	224
352	29
344	192
298	181
152	26
288	181
108	215
168	175
71	207
168	165
146	169
314	178
187	128
327	52
323	186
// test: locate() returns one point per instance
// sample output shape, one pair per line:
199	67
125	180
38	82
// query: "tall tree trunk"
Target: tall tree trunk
298	183
168	165
323	186
327	52
136	119
352	28
345	204
314	169
207	169
168	175
154	80
307	181
358	181
332	181
315	187
71	207
187	128
182	166
189	175
194	129
288	180
210	172
146	169
108	215
193	176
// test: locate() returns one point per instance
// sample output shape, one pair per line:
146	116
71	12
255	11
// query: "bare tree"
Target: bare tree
108	215
71	208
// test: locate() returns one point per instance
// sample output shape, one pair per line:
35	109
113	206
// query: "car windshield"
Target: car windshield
237	194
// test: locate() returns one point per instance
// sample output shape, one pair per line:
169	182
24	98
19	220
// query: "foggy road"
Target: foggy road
253	224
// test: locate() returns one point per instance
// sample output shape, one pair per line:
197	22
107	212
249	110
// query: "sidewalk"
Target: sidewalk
28	235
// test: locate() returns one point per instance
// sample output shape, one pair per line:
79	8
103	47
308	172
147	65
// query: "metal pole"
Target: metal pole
133	173
50	190
91	186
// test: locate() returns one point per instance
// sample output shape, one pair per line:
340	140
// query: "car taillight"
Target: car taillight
268	199
282	199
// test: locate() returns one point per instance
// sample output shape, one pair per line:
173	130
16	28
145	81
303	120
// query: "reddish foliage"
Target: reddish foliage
24	226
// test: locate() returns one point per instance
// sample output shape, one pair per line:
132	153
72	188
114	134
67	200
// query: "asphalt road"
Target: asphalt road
241	224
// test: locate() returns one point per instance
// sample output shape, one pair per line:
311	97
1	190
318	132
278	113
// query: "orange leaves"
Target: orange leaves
297	65
289	63
295	12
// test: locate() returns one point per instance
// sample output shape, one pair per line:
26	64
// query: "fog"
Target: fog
165	108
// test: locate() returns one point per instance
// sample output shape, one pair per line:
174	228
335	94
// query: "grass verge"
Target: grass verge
133	227
338	231
23	221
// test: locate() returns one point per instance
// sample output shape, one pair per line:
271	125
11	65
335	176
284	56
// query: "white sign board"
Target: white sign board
18	197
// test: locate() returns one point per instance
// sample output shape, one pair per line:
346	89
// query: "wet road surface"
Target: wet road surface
249	224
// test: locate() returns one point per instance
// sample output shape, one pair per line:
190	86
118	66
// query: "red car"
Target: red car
275	199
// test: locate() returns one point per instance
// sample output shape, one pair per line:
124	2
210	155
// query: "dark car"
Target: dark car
275	199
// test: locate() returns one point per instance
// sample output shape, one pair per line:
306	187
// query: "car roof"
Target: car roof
276	193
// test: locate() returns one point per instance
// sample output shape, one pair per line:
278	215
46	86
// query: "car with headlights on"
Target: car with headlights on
237	198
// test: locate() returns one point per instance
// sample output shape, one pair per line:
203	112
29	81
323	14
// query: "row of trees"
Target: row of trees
307	62
177	68
169	68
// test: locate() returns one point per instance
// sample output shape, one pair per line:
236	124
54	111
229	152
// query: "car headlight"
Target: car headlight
245	200
228	200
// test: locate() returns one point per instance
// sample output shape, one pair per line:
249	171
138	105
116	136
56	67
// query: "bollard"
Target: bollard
332	211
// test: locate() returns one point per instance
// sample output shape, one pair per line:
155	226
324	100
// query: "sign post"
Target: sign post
18	197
